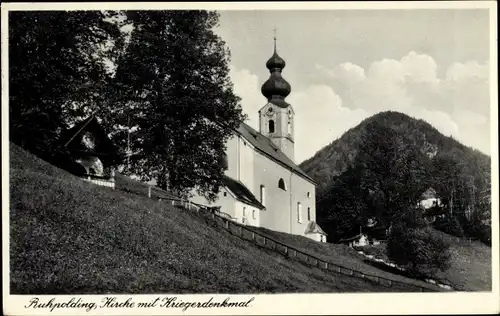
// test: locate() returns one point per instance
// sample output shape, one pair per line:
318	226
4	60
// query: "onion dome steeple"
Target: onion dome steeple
276	89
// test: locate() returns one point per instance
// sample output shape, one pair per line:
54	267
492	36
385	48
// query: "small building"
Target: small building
92	153
315	232
429	199
236	196
359	240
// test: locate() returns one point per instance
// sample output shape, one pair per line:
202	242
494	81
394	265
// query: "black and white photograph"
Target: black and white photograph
215	158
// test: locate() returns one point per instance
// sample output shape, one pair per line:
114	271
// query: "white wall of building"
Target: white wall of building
247	214
254	170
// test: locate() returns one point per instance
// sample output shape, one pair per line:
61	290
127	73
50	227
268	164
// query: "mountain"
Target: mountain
381	167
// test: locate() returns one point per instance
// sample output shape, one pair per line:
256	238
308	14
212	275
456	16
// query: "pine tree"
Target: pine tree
172	88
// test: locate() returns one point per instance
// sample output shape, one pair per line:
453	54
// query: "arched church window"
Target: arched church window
281	184
308	213
299	212
263	195
271	126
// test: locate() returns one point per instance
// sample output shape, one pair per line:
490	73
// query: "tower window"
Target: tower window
309	195
253	214
271	126
281	184
289	128
299	212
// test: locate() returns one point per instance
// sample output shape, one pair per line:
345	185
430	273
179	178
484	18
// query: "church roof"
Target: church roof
268	148
242	192
313	227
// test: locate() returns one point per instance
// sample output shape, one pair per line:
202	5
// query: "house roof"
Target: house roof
241	192
104	147
268	148
313	227
429	194
358	236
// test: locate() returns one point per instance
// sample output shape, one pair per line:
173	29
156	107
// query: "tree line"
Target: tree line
394	159
158	80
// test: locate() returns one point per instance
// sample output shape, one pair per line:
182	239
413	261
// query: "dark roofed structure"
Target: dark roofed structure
94	153
314	228
268	148
241	192
89	137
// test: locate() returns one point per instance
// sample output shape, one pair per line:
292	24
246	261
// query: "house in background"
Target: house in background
91	152
263	186
429	199
359	240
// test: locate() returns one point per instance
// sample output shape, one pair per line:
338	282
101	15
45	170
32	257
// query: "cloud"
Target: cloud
246	86
318	111
457	104
320	118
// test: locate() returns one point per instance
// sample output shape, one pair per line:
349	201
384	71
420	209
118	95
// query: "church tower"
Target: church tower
276	117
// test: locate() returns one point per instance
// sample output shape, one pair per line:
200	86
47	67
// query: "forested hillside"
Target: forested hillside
380	168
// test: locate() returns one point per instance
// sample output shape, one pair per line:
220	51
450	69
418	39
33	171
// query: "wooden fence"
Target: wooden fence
248	234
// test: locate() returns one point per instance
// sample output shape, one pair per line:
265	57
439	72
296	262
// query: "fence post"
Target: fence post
227	224
241	231
149	191
253	236
286	250
264	240
326	265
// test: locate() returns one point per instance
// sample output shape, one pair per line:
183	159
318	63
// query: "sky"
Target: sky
347	65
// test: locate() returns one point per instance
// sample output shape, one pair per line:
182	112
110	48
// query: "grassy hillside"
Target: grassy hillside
338	254
470	264
70	236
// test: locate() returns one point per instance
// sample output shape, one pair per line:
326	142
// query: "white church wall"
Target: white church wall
247	214
246	163
300	188
225	200
277	201
232	152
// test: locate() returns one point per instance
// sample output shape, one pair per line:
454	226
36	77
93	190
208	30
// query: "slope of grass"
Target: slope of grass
129	185
338	254
71	236
470	263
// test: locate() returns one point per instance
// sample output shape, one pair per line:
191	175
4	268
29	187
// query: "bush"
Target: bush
418	250
450	225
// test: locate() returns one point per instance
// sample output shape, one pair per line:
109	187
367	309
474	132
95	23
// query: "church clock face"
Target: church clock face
270	111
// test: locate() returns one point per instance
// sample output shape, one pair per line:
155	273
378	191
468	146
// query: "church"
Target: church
263	186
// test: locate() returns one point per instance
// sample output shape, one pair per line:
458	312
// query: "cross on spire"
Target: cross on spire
275	38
